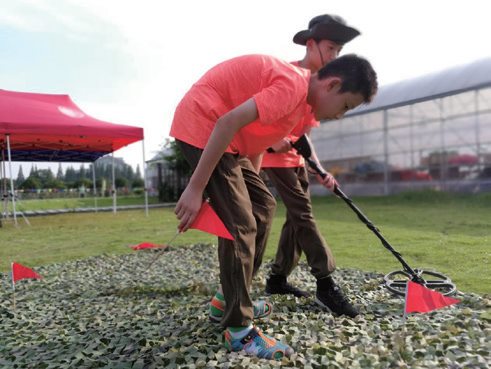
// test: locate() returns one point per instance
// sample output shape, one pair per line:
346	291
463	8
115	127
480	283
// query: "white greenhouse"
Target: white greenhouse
429	132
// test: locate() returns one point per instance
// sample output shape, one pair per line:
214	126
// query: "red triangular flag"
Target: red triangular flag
20	272
420	299
147	245
208	221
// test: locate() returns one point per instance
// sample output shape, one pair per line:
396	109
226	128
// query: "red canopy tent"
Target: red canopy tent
44	127
47	127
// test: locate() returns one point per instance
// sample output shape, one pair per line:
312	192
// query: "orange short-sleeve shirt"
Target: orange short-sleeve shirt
290	159
279	90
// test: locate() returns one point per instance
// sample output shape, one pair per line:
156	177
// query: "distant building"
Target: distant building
155	168
164	181
429	132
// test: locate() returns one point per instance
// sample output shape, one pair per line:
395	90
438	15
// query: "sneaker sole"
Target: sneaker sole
319	302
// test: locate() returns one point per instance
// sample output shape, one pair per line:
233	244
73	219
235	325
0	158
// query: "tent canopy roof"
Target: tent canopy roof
448	82
47	127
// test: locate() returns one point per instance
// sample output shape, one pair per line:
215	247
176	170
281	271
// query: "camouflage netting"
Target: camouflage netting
115	312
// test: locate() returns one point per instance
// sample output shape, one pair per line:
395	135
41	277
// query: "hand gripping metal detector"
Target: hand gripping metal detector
395	281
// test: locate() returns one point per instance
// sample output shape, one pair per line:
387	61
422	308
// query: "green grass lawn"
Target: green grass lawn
447	233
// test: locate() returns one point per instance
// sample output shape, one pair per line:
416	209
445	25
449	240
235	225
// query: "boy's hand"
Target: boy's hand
187	208
328	181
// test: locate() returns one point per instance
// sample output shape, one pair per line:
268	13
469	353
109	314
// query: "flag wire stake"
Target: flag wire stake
159	254
13	283
404	315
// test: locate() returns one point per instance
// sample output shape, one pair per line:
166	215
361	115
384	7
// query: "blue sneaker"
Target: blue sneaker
258	344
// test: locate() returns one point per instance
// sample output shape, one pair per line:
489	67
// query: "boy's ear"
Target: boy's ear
310	42
333	82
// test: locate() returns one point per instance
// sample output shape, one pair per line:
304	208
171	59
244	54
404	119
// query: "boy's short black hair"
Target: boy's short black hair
357	74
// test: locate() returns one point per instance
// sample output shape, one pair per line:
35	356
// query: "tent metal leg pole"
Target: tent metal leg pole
114	186
5	184
94	186
4	189
11	180
145	189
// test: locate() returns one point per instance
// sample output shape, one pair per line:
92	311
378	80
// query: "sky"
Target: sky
130	62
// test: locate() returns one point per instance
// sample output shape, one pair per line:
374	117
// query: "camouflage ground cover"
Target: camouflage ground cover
115	312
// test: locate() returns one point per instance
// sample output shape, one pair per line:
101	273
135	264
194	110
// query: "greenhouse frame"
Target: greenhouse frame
430	132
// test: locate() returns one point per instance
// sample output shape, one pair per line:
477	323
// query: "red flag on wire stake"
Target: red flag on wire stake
147	245
420	299
21	272
208	221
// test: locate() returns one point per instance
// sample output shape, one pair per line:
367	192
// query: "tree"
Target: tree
176	159
59	174
45	177
83	182
120	182
82	173
33	171
70	175
128	172
20	177
125	176
31	183
137	183
173	173
54	184
138	174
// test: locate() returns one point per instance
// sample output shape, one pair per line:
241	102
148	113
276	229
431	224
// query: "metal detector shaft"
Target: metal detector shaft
304	148
376	231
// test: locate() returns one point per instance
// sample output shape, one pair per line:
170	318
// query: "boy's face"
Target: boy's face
328	103
322	52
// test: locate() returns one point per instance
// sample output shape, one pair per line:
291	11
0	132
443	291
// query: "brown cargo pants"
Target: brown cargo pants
299	232
246	207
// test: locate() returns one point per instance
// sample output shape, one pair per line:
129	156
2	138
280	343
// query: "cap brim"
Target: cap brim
335	32
301	37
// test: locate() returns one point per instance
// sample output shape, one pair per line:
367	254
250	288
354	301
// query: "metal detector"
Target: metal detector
395	281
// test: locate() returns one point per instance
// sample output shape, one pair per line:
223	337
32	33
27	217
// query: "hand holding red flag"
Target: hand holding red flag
208	221
420	299
20	272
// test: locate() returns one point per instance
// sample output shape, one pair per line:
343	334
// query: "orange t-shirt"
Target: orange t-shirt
279	90
290	159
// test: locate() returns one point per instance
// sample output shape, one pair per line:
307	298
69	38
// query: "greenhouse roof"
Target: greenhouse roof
447	82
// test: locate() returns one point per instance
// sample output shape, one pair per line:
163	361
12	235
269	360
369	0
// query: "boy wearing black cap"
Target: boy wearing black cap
323	39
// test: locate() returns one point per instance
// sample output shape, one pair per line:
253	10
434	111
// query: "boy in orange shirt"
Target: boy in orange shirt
323	39
223	125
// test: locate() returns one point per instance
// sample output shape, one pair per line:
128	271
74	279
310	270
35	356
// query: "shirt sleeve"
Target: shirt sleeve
280	97
310	121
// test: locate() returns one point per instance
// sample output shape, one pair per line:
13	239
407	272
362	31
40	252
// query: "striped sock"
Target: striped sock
217	305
